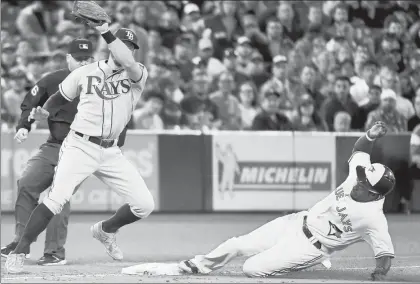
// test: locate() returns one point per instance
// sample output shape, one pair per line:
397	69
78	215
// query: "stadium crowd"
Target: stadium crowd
238	65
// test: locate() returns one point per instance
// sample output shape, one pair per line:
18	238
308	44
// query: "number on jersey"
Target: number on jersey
334	231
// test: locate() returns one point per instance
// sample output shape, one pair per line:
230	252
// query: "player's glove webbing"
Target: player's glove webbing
90	13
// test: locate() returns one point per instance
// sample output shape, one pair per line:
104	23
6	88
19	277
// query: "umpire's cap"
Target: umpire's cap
127	35
380	178
80	48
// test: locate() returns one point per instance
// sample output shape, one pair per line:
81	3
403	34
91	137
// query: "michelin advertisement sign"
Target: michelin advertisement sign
271	172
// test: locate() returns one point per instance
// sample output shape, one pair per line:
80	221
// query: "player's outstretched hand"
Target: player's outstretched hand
100	28
377	276
38	114
21	135
378	130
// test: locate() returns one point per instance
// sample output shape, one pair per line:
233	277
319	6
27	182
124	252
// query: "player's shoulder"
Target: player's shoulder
53	76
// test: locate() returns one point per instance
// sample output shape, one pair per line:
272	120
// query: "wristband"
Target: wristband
108	37
368	138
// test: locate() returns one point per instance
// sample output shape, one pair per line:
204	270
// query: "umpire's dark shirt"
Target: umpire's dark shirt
267	122
58	123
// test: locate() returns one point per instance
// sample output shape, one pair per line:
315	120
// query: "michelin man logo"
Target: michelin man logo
228	160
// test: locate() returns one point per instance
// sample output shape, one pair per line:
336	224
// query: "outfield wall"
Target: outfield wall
221	171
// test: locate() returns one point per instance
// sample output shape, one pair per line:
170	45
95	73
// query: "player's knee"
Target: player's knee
143	208
54	206
252	268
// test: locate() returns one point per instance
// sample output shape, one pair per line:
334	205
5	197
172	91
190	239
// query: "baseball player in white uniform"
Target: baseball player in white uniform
350	214
109	91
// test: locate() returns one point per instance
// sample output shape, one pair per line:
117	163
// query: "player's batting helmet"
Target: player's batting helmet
380	178
127	35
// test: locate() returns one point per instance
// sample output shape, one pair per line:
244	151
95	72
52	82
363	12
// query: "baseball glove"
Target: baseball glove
90	13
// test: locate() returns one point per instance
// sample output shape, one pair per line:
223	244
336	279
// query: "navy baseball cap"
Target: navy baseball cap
80	48
127	35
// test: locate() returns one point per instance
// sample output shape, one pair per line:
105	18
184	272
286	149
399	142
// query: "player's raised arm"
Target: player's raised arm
123	54
364	145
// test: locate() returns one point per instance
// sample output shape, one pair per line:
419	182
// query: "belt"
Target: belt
105	143
308	233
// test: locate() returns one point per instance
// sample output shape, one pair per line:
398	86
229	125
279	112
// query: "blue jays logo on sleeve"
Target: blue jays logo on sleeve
334	231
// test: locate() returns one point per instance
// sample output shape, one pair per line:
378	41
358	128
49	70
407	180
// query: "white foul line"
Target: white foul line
52	277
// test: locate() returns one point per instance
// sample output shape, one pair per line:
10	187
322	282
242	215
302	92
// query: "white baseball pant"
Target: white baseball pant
79	158
277	247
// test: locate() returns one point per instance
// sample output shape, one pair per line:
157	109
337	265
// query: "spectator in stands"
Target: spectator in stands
340	101
198	110
157	49
342	122
224	27
205	51
277	42
13	97
289	21
388	113
36	22
257	71
388	79
141	16
407	90
341	25
308	118
307	84
415	120
56	61
227	103
8	57
124	19
169	88
247	97
269	119
192	20
183	57
229	61
278	81
36	68
243	51
148	116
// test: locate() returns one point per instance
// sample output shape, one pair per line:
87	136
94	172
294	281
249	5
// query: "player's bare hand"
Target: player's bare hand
21	135
378	130
377	276
38	114
100	28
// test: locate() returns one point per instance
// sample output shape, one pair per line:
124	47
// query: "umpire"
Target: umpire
39	172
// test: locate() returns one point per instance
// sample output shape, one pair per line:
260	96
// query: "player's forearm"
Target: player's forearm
120	51
364	144
55	103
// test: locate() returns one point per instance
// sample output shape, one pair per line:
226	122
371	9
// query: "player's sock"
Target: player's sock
122	217
37	223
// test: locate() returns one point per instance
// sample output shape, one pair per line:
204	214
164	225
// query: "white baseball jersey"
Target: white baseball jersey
338	221
107	98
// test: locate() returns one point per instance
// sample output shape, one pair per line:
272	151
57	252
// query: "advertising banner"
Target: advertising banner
267	172
92	195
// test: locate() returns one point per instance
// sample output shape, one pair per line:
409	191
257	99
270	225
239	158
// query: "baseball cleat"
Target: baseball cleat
5	251
108	240
188	267
51	260
14	263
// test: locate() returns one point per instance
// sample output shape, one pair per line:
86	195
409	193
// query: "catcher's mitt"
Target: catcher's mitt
90	13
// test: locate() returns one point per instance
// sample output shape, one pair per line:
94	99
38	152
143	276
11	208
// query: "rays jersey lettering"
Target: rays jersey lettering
338	221
107	90
107	98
